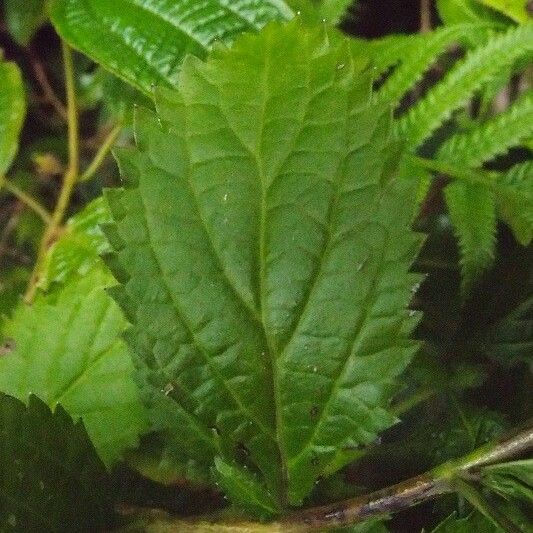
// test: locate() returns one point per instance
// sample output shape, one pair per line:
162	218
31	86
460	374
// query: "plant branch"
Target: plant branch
102	152
439	481
69	179
26	199
48	92
413	491
425	16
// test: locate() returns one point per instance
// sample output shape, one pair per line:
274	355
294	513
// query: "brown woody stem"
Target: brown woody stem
436	482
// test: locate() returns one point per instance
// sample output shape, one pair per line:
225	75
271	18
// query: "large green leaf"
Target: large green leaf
145	41
51	478
12	113
66	349
23	18
263	250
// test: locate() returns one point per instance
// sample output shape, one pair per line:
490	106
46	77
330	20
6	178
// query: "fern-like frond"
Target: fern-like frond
493	137
472	211
387	51
464	79
421	55
515	201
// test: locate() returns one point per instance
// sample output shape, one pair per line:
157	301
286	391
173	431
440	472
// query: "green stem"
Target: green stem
69	179
436	482
26	199
101	154
412	401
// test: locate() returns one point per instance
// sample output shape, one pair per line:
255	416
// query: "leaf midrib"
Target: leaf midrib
178	307
367	307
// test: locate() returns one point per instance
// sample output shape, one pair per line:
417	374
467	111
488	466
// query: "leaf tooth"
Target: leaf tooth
127	163
128	306
114	264
114	201
112	235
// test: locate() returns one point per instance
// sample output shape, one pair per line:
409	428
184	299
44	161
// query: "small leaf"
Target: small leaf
514	9
515	201
472	211
24	18
460	11
512	480
67	350
473	522
79	247
144	42
245	490
331	11
51	478
334	11
511	339
12	113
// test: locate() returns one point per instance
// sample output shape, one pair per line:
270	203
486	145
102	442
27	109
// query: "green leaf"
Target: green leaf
460	11
511	339
334	11
245	490
514	9
472	211
473	522
512	480
24	18
51	478
316	11
144	42
13	282
492	137
462	81
66	349
515	201
263	248
12	113
80	246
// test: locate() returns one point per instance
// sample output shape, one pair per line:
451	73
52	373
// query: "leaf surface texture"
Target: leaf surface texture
145	41
66	347
263	248
51	478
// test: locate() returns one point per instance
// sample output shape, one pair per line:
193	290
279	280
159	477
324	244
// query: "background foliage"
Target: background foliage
407	118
